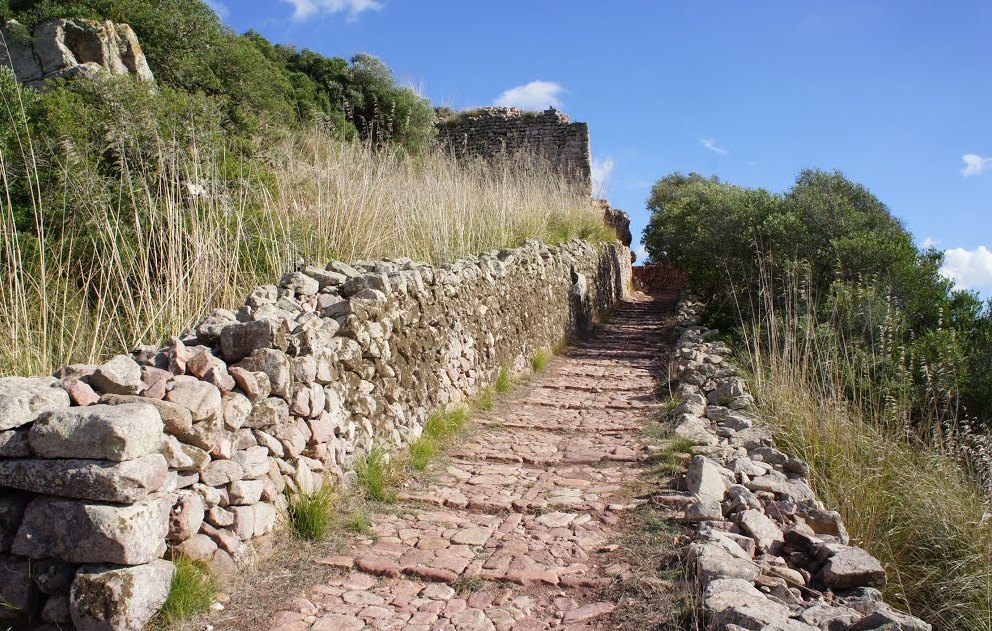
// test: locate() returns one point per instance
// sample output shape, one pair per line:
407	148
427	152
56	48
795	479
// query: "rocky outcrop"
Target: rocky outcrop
69	48
194	446
619	221
767	554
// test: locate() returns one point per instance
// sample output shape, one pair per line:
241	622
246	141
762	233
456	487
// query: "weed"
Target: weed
376	476
466	584
539	360
443	425
310	513
422	452
486	399
192	592
503	382
358	523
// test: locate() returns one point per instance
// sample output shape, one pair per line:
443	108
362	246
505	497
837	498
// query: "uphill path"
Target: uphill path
517	527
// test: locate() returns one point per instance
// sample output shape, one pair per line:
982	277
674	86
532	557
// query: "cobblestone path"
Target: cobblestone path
515	528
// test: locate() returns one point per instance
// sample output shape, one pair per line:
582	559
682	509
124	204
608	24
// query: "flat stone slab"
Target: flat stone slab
101	480
543	447
100	432
24	399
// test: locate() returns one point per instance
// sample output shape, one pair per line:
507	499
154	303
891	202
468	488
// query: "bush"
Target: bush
310	514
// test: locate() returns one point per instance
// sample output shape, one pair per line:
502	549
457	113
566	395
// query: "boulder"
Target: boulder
12	507
765	532
886	617
176	419
120	375
82	532
275	365
704	479
119	599
104	432
24	399
186	516
712	561
14	443
852	567
240	340
202	399
123	482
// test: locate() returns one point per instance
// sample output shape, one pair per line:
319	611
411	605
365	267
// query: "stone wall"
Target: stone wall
497	131
191	448
768	554
67	48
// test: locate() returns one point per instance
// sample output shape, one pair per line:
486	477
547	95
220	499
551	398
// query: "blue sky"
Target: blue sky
896	94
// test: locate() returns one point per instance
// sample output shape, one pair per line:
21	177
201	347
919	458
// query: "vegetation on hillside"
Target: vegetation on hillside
866	361
128	211
256	86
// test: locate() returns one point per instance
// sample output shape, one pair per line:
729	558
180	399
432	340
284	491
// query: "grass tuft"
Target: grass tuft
377	476
193	590
486	399
310	515
503	381
358	523
422	452
539	360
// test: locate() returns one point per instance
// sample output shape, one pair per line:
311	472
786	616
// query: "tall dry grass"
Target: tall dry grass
144	254
906	497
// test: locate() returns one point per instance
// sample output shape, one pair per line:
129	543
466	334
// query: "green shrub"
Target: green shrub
193	590
376	476
310	514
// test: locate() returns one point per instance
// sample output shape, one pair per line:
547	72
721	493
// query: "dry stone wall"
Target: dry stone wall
106	470
768	554
500	131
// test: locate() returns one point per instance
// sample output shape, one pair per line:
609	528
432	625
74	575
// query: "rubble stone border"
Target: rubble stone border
107	471
767	553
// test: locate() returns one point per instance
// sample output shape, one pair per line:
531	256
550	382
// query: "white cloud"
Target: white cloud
929	242
219	8
969	269
601	170
710	144
974	164
536	95
304	9
641	252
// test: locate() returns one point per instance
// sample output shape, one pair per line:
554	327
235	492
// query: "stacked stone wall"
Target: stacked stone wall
107	471
491	132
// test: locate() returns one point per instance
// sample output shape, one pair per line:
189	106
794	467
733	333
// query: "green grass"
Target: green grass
422	452
486	399
439	429
310	515
358	523
376	476
539	360
503	382
193	590
670	459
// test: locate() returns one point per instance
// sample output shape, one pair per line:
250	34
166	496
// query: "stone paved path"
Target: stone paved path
529	504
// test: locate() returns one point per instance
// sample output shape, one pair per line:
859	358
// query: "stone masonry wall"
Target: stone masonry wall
107	470
494	131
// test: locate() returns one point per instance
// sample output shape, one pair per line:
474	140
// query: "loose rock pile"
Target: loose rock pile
190	449
768	554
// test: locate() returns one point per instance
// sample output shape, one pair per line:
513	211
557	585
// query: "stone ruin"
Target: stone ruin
490	132
107	472
69	48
